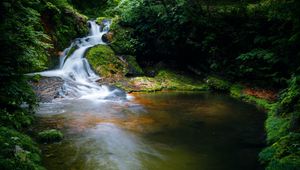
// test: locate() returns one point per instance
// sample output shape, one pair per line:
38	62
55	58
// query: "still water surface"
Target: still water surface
154	131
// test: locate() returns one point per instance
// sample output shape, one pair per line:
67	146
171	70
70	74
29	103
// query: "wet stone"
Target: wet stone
47	88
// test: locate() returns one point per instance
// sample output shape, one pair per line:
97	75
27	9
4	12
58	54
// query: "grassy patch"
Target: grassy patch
237	91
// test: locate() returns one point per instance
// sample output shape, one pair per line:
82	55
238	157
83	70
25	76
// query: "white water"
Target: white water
104	145
80	79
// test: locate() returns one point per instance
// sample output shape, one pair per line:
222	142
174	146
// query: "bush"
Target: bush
122	41
51	135
216	84
282	126
18	151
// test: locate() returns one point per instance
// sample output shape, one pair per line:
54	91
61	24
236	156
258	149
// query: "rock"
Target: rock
117	95
47	88
134	68
107	38
51	135
106	63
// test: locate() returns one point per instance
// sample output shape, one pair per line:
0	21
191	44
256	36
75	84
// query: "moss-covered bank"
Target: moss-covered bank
124	72
282	125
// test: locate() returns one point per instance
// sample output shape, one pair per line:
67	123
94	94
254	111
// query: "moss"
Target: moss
71	51
100	20
51	135
36	78
18	151
105	62
164	80
217	84
133	66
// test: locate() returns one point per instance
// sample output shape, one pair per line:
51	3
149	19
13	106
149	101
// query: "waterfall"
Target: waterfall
74	69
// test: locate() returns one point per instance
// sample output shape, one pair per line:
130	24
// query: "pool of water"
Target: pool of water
154	131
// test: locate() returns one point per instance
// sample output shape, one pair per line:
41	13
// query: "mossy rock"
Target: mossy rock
217	84
164	80
18	151
51	135
134	68
105	62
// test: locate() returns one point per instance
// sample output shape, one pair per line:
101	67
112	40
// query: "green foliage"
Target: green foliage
18	151
92	8
51	135
123	41
23	41
290	98
259	64
283	129
283	154
63	23
17	102
228	38
217	84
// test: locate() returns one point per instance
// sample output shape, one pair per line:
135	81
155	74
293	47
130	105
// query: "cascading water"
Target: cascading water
74	69
98	144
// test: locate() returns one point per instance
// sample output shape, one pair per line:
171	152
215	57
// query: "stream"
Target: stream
107	129
165	131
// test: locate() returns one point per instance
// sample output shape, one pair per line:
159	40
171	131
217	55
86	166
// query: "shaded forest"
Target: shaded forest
231	43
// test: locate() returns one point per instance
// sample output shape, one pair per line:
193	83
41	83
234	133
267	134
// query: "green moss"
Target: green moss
164	80
217	84
71	51
36	77
51	135
134	67
100	20
105	62
177	81
18	151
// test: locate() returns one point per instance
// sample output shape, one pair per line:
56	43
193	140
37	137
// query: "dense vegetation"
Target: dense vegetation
249	42
27	46
252	42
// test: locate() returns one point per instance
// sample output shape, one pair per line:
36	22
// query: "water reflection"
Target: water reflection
154	131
